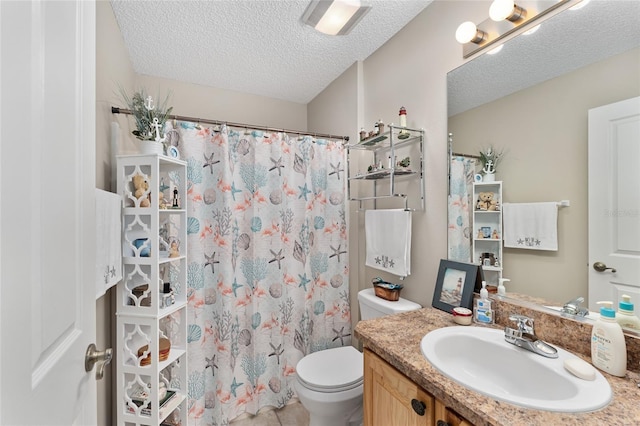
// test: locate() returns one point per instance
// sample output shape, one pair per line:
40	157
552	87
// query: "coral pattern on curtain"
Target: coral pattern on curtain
268	266
460	193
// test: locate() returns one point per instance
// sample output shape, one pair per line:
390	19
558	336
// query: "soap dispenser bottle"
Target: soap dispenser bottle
608	347
626	317
482	312
502	291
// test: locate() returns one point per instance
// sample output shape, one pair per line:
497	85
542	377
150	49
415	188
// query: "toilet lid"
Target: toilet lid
331	370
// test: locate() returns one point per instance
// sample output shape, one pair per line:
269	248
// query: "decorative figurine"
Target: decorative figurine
176	199
174	249
402	115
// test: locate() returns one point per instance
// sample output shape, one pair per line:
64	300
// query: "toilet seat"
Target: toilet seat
331	370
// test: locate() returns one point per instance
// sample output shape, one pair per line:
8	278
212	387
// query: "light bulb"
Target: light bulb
468	32
506	9
337	16
500	9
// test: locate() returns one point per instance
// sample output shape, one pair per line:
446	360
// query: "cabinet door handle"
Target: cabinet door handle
442	423
419	407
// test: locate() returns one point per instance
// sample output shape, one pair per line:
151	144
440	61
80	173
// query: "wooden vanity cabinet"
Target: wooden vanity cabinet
390	398
447	417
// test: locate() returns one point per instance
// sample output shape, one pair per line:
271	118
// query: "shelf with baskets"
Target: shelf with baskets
487	230
393	168
151	301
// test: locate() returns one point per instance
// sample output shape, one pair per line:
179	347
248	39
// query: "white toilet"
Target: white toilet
329	382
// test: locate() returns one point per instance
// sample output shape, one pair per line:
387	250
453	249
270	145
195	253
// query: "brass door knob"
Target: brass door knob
601	267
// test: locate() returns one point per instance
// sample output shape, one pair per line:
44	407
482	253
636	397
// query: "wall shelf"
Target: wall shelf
386	151
148	314
487	231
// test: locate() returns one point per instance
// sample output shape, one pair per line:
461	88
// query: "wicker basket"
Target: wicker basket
387	294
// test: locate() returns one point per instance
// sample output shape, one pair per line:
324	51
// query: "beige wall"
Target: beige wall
409	70
226	105
544	131
112	68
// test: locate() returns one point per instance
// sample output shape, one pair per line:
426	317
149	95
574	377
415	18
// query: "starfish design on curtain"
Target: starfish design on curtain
336	170
211	363
304	191
211	260
234	386
235	286
340	335
208	162
337	252
277	164
277	351
277	257
304	281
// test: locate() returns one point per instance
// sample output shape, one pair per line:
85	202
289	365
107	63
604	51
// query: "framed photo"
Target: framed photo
455	285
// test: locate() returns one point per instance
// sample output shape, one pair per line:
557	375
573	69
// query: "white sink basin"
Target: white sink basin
478	358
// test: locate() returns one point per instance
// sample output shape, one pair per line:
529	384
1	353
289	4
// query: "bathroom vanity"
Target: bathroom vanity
398	400
400	383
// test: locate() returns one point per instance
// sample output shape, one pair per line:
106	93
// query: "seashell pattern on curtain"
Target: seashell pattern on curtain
267	268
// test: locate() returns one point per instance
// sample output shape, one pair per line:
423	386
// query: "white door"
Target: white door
47	212
614	202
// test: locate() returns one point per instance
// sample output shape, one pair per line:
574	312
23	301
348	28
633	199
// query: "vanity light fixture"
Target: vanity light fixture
468	32
334	17
506	20
501	10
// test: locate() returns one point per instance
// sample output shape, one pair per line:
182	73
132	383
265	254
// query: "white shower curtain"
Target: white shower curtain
268	268
459	221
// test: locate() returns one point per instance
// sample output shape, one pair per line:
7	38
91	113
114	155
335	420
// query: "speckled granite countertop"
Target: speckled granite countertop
396	339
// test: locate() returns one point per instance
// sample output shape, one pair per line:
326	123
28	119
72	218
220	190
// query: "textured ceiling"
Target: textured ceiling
564	43
259	47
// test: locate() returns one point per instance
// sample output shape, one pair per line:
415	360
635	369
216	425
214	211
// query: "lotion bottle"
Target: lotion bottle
502	290
626	317
482	312
608	348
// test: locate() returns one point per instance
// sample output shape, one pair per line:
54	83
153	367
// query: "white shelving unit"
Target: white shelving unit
387	178
152	297
487	232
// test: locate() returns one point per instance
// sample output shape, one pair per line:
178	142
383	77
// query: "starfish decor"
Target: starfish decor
211	260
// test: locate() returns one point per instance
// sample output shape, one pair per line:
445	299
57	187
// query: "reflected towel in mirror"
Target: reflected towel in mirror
532	226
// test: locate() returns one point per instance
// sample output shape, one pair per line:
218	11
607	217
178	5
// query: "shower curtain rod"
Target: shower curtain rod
118	110
457	154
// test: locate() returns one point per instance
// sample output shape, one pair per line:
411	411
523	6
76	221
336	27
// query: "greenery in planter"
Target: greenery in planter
490	157
144	113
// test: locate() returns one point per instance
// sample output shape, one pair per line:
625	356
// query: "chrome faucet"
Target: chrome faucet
573	307
525	337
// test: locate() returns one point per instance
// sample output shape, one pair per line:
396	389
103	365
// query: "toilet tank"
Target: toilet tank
372	306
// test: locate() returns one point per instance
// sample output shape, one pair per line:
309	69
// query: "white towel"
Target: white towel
388	240
108	241
531	226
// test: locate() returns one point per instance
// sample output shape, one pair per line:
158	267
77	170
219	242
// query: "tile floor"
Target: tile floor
291	415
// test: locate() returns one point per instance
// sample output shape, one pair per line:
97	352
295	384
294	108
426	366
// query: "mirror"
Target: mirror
531	99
